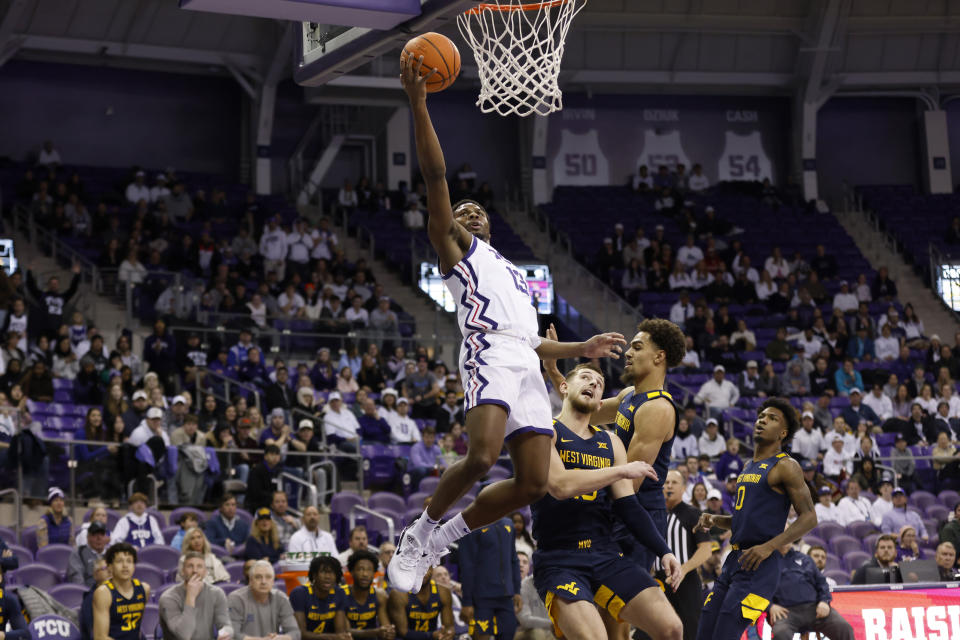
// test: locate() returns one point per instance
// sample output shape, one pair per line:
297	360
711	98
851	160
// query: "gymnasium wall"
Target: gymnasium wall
868	141
157	119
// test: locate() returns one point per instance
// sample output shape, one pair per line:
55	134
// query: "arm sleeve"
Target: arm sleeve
10	563
72	289
157	532
179	622
820	583
75	569
18	626
120	531
214	535
638	521
286	617
514	561
468	568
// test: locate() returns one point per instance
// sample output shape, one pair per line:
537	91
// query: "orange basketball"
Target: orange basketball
440	53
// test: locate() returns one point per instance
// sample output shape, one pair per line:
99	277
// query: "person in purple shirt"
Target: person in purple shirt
425	456
730	460
372	426
54	526
323	375
899	517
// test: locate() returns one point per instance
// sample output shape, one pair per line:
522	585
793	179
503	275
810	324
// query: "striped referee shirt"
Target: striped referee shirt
682	536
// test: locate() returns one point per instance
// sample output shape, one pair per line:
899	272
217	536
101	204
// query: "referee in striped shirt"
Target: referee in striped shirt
692	548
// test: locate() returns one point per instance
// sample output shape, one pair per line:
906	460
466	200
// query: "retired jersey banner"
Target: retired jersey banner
604	140
899	613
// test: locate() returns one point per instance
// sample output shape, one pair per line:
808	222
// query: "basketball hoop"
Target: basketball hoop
518	48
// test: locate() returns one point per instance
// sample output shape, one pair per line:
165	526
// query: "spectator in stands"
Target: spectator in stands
273	248
718	393
383	319
880	403
264	541
883	287
259	610
422	388
425	457
858	411
49	157
160	352
743	338
684	442
450	412
946	562
137	527
38	383
711	443
794	381
403	429
847	378
277	433
278	395
883	562
413	216
853	507
346	383
225	528
138	190
845	300
899	516
151	427
81	565
54	526
907	547
262	479
358	541
697	181
808	442
779	349
291	303
837	463
187	521
132	270
689	254
682	310
730	461
643	181
679	279
285	521
195	542
802	601
826	510
946	460
310	537
340	425
887	347
191	609
373	427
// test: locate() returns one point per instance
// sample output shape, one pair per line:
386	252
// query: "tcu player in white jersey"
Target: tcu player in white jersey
506	399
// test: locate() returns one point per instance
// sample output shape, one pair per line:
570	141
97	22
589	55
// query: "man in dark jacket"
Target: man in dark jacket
226	528
882	567
279	393
52	302
802	601
160	352
490	575
262	480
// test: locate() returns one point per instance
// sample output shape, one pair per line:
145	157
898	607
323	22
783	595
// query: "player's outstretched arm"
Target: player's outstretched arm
563	483
604	345
449	239
787	475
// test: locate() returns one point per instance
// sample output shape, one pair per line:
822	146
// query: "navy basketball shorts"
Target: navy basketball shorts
599	575
738	597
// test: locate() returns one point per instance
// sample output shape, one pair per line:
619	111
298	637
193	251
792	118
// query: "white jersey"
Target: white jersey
580	161
491	294
743	158
662	150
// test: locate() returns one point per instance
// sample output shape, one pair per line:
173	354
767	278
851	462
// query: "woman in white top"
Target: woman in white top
766	287
679	279
776	265
524	542
131	269
744	334
99	514
195	540
863	289
913	326
258	310
927	400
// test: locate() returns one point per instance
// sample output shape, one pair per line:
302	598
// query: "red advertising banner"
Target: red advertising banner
894	614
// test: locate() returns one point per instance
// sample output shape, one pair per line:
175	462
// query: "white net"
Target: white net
518	48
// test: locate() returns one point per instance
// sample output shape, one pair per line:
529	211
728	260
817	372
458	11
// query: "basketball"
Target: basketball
440	53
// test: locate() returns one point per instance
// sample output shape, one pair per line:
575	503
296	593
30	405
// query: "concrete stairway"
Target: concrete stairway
879	250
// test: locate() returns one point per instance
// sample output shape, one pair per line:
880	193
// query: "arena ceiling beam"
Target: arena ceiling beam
682	22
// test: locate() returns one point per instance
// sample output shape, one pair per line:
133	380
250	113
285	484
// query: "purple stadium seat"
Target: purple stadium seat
385	500
8	535
861	528
429	484
221	552
156	593
55	555
870	541
949	498
853	559
153	576
28	538
938	512
814	541
842	544
235	569
112	517
416	499
922	499
343	501
25	555
161	519
161	556
169	533
42	576
410	514
68	594
840	577
280	585
827	530
245	515
833	562
150	623
179	511
229	587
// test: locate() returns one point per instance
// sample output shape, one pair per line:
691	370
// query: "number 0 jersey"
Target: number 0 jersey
126	613
582	520
759	512
491	294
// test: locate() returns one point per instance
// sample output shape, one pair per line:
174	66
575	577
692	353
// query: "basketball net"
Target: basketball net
518	48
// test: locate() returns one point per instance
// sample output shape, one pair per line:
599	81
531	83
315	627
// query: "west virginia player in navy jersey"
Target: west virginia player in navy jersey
420	615
766	488
645	418
11	614
118	604
364	606
578	565
317	606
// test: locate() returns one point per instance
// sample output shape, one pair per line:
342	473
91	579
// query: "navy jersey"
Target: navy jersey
11	614
359	616
577	521
421	616
651	491
759	512
126	613
318	611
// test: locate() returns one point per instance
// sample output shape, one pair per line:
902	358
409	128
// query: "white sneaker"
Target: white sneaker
409	564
